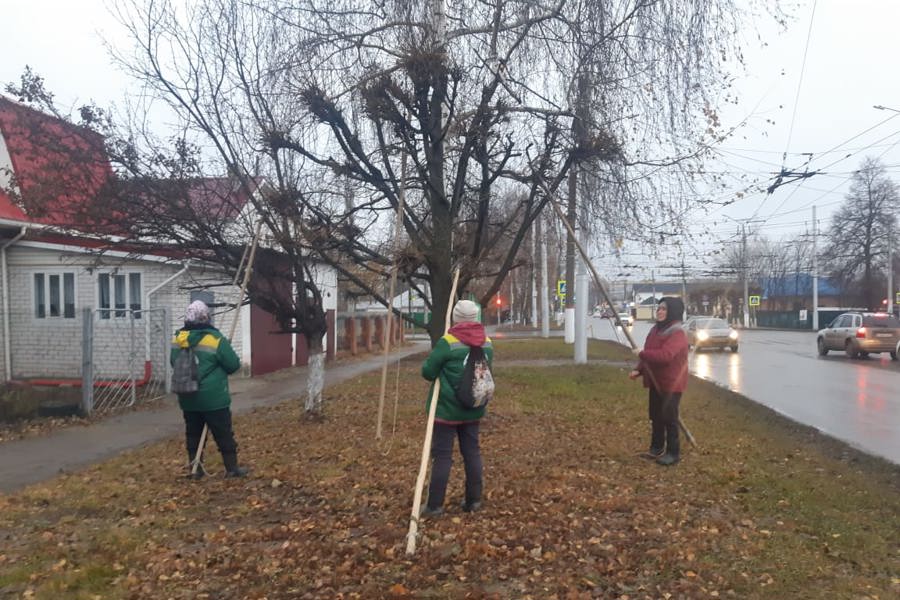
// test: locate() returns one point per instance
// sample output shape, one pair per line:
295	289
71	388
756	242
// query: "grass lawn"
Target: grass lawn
763	509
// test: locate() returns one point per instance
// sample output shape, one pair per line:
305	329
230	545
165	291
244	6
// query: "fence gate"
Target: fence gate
125	357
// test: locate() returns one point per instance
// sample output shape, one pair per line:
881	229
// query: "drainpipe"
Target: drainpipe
7	359
187	265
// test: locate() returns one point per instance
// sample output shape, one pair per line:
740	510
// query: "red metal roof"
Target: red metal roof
59	169
8	209
62	177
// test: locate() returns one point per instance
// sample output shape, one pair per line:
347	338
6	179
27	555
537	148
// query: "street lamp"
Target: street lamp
880	107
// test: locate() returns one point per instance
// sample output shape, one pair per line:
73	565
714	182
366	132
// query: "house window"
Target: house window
118	293
54	295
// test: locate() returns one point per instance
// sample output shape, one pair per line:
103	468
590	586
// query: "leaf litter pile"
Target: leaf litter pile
762	509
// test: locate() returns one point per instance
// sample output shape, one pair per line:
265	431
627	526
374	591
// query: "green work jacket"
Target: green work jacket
216	360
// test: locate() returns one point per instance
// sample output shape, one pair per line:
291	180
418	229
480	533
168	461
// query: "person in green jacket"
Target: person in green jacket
210	405
446	361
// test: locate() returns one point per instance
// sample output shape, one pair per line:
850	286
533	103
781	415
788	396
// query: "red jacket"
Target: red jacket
665	356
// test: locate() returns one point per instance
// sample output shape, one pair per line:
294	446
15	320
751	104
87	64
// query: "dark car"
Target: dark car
708	332
859	334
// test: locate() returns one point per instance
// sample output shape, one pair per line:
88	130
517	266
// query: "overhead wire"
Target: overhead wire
794	113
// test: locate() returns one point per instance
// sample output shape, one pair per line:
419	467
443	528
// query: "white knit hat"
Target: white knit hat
465	311
197	312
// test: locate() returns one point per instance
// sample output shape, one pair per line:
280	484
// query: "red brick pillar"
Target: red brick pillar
367	333
379	331
351	334
332	335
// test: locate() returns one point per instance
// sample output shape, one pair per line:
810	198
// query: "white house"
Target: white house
50	274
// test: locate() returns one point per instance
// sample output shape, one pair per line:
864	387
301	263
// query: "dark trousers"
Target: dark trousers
664	421
219	423
442	461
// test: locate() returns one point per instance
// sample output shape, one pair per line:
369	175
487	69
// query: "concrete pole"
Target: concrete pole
744	269
571	284
815	279
544	289
534	273
581	309
889	307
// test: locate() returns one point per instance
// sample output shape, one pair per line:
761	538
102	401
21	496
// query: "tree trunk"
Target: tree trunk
315	383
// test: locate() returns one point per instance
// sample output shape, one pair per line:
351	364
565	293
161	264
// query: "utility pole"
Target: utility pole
744	269
544	287
815	279
512	297
570	258
890	271
581	301
534	273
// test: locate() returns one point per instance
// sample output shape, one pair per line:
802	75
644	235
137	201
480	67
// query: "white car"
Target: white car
707	332
626	318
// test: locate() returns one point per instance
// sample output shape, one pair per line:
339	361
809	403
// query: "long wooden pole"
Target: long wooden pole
198	457
584	256
393	286
426	447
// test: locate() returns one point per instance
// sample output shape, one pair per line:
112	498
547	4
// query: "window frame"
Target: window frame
119	304
47	297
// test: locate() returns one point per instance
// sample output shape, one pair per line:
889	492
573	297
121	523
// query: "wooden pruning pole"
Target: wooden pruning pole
197	463
390	315
426	447
599	283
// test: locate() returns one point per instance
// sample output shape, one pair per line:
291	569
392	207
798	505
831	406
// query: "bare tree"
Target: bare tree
857	248
485	100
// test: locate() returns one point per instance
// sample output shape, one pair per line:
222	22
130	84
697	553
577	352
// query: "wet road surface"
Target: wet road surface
857	401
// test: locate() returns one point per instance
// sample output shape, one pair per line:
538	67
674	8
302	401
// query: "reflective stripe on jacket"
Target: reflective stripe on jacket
216	360
446	361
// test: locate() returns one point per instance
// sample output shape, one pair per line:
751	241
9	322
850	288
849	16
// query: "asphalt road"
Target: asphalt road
857	401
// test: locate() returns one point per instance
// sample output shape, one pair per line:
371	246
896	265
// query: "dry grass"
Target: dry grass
764	509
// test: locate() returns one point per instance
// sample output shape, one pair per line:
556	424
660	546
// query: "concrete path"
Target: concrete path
35	459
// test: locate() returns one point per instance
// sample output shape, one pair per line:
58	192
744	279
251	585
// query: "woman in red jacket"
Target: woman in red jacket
663	364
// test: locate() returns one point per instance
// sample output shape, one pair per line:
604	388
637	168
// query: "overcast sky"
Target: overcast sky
851	64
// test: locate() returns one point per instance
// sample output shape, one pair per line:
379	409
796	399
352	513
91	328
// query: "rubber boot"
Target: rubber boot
673	446
231	466
657	441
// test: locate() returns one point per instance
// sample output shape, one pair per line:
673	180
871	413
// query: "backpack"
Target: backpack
476	386
185	372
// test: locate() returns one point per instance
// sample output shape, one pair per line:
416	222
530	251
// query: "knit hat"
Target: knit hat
465	311
197	312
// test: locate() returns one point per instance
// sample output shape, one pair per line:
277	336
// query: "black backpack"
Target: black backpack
476	386
186	372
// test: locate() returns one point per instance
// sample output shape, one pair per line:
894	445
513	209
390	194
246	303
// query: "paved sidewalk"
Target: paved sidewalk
31	460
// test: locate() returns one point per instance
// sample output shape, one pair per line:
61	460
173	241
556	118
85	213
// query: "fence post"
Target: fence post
87	361
167	373
131	358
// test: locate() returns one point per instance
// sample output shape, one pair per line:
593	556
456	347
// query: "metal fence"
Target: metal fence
125	357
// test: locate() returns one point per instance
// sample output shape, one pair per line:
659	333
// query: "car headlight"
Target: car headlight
733	334
702	336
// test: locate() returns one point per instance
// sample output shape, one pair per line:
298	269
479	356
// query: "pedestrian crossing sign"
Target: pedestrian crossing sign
754	300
